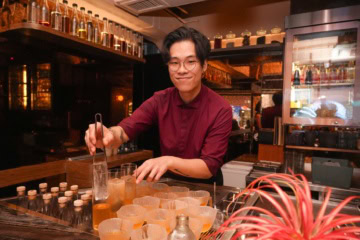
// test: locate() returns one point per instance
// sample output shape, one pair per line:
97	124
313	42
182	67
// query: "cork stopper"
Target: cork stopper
43	185
62	200
54	189
85	197
74	187
21	188
89	192
78	203
68	193
46	196
32	192
63	184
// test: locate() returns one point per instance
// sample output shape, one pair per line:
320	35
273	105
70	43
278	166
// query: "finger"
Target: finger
152	174
159	174
142	174
90	146
92	135
108	138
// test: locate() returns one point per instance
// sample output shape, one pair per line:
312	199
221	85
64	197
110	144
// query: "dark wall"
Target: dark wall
302	6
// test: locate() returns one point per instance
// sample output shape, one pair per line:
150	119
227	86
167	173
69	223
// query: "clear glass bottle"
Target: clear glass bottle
74	23
56	18
97	37
182	230
32	203
141	46
46	206
5	14
82	24
90	27
32	16
44	18
117	42
61	213
69	205
105	37
54	200
65	19
111	33
129	49
21	198
78	219
75	189
135	44
42	191
122	39
63	188
86	209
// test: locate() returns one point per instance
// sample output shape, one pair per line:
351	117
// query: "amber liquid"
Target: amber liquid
130	189
101	212
115	235
65	24
82	33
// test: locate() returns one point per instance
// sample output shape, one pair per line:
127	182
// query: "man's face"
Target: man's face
184	67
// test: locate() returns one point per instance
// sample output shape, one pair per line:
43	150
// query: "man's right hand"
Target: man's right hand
93	138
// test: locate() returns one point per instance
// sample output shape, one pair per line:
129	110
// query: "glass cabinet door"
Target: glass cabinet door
322	79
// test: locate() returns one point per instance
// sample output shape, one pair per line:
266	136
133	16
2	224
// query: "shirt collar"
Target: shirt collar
195	103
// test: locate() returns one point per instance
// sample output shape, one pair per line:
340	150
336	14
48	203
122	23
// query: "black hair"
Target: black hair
277	98
202	44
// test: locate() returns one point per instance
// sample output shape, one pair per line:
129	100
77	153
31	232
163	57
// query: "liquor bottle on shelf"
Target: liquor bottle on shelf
74	21
117	42
32	16
63	188
5	14
82	24
308	79
90	27
21	198
296	78
65	19
56	18
323	76
78	218
46	207
32	203
111	33
105	38
135	45
128	42
44	18
141	46
97	38
123	39
54	200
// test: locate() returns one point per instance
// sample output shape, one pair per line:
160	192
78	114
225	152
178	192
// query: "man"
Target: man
194	122
268	114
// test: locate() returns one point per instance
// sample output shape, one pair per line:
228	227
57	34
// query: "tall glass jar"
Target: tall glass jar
218	41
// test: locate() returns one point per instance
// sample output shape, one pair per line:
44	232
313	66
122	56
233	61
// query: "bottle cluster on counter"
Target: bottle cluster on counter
66	205
76	21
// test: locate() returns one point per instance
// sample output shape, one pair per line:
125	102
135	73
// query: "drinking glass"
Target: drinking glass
190	201
148	202
196	226
116	190
143	189
162	217
177	206
180	191
129	170
133	213
202	195
160	187
115	228
205	214
165	197
149	231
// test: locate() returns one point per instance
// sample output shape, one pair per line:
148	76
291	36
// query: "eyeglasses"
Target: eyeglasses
189	64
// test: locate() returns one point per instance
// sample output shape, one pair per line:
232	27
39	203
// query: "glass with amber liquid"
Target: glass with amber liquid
97	38
128	171
56	18
117	43
116	190
105	37
101	209
44	18
74	21
90	27
82	24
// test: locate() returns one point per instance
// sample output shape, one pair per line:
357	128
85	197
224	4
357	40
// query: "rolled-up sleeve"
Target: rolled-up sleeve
141	120
216	142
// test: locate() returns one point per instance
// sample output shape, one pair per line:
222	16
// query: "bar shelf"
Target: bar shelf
322	149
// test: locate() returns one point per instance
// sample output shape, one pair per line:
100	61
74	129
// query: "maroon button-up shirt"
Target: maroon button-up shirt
199	129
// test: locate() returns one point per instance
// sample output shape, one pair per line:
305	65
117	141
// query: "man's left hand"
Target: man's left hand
153	168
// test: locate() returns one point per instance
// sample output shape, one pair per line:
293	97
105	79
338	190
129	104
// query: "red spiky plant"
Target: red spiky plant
298	221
